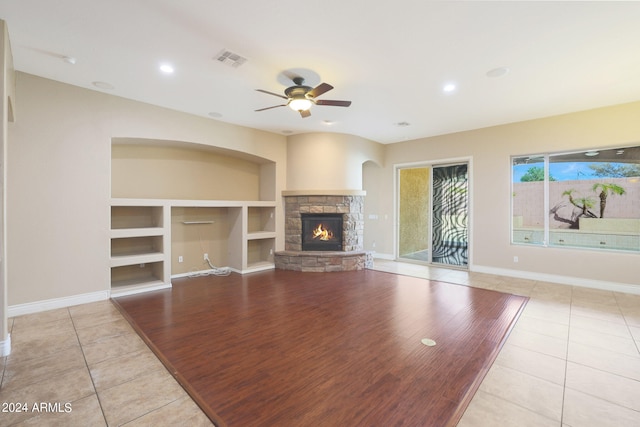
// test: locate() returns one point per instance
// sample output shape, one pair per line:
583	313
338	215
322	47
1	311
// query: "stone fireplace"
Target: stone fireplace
309	214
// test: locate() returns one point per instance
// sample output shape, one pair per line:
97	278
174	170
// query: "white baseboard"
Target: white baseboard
5	346
562	280
388	257
51	304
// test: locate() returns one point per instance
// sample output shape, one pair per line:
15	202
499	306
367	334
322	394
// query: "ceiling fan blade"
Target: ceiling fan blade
333	103
319	90
305	113
275	106
271	93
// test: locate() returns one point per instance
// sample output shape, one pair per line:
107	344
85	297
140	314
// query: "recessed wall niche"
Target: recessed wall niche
157	169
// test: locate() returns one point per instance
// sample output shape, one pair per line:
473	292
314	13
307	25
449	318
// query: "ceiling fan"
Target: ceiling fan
300	97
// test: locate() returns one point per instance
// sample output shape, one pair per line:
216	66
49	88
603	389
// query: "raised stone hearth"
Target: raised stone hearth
351	205
317	261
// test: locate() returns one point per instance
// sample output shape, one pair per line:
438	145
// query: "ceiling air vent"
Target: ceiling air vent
232	59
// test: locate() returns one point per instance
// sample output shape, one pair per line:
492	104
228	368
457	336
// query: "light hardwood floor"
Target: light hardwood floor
571	361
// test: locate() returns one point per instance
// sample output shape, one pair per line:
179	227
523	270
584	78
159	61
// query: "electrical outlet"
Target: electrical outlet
515	259
180	259
270	251
206	257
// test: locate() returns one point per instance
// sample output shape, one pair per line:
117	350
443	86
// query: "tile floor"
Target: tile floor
89	356
572	360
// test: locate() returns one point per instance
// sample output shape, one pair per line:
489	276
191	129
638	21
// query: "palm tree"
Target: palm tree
583	203
605	189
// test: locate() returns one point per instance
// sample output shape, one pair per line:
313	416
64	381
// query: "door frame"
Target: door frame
396	206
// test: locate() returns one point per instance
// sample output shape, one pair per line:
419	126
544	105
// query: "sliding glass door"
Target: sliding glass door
433	214
450	234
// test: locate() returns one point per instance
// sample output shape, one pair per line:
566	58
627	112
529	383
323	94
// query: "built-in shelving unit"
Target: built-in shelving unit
141	238
213	206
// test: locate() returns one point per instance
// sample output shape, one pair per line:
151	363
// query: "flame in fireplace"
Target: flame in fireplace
322	233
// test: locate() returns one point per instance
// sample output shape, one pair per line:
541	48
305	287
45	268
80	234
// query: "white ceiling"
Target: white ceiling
390	58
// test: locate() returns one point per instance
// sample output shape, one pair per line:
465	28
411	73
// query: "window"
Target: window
586	199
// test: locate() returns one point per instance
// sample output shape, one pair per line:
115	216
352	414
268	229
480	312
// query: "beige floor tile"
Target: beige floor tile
98	307
582	294
125	368
583	410
27	347
138	397
550	311
32	330
95	319
548	296
82	413
487	410
635	332
609	361
104	331
609	314
109	348
455	276
484	281
543	327
69	386
538	395
627	300
516	287
613	388
604	341
541	343
38	320
180	412
601	326
19	373
533	363
631	315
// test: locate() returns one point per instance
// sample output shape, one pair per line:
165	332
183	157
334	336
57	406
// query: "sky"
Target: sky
563	171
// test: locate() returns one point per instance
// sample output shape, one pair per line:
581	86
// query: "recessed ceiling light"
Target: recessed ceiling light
591	153
403	124
167	68
103	85
328	122
498	72
449	87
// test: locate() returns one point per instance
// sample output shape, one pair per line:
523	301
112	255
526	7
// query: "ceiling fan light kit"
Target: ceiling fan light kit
300	97
300	104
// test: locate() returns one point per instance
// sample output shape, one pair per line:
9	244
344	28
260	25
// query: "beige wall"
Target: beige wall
489	150
59	174
59	179
7	92
175	172
325	161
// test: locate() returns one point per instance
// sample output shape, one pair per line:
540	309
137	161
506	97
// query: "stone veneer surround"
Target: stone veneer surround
352	256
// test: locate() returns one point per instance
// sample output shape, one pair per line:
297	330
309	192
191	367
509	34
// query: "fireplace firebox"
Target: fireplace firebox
321	232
